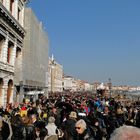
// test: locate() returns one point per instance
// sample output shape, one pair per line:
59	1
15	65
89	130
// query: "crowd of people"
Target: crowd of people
71	116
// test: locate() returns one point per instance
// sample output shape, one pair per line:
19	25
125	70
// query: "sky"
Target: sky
94	40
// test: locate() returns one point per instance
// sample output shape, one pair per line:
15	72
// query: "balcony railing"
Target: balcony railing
6	67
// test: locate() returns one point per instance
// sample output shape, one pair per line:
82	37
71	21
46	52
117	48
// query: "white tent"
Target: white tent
101	87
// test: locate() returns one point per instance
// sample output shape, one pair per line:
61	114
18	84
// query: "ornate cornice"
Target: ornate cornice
9	19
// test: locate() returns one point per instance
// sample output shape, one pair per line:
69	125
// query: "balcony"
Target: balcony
6	67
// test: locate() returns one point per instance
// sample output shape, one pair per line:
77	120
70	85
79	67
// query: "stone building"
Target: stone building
68	83
11	43
55	76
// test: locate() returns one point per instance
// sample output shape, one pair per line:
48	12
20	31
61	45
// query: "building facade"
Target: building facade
68	83
55	76
32	75
88	86
11	43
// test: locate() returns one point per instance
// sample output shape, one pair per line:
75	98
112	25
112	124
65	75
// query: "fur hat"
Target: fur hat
73	114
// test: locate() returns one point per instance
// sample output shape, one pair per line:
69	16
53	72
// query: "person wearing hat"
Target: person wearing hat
68	126
73	115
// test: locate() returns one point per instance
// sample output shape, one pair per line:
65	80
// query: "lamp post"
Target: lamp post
109	85
52	65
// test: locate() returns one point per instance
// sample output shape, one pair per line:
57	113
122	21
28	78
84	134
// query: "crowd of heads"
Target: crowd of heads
91	114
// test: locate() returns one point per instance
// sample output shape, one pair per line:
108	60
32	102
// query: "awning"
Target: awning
34	92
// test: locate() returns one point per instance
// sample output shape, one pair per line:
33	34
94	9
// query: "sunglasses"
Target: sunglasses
77	127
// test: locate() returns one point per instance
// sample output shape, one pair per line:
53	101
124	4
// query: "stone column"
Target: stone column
14	53
7	4
1	95
16	9
5	87
5	49
22	17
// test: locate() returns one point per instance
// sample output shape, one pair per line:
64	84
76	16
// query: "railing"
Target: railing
6	67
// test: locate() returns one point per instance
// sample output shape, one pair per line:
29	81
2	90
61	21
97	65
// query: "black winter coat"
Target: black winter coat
68	127
86	135
30	132
17	132
5	132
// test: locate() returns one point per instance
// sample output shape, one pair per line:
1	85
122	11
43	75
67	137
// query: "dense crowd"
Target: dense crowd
70	116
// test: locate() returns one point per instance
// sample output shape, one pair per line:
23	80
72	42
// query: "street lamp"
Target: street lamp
52	65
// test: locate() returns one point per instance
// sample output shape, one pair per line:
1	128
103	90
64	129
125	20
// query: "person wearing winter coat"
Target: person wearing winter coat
17	128
5	129
29	129
68	126
82	131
